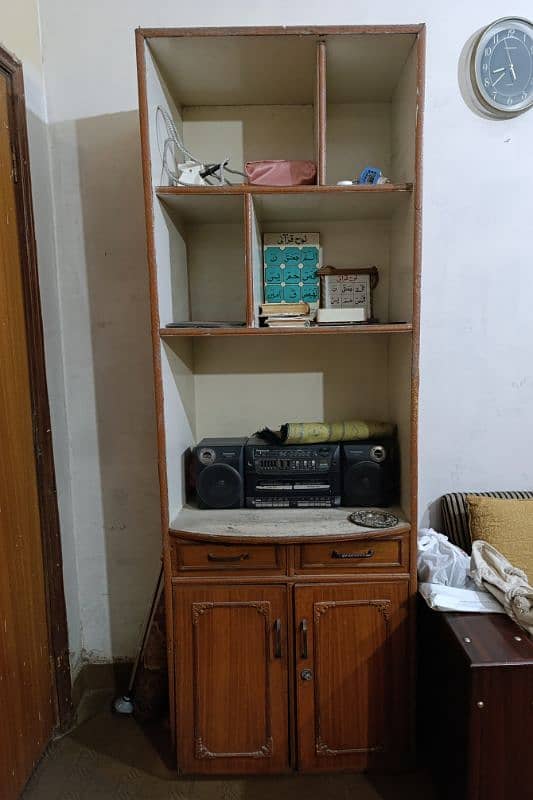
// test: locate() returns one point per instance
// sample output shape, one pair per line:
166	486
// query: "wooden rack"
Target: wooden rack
345	97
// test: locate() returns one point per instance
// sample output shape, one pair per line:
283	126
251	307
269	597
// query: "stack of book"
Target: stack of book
287	315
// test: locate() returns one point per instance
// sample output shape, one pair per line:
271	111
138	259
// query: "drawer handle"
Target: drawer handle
228	559
277	639
368	554
303	632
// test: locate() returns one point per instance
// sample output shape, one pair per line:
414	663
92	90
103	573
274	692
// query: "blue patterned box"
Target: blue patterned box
291	262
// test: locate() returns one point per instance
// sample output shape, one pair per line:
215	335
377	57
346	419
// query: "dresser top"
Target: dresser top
278	525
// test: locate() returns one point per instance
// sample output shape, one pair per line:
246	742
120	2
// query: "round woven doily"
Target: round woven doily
373	519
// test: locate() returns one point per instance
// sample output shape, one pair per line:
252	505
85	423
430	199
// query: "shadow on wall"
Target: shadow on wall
109	163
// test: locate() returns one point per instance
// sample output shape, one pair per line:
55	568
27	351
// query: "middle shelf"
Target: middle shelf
373	328
209	251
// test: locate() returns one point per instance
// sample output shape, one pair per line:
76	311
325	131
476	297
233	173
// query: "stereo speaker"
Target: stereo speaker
369	473
218	466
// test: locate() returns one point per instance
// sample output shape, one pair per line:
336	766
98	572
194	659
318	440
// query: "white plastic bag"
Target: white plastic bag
444	581
440	561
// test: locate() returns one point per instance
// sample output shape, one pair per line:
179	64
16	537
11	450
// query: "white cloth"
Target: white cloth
490	570
443	571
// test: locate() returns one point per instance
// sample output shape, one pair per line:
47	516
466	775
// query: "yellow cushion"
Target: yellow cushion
505	524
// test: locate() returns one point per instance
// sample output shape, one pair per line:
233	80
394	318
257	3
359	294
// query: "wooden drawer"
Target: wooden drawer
204	557
364	554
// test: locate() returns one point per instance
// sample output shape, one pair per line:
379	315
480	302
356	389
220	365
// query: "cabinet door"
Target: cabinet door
352	685
230	646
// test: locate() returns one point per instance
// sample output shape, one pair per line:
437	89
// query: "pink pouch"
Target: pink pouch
280	173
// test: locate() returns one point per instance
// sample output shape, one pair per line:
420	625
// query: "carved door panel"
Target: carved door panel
352	674
231	679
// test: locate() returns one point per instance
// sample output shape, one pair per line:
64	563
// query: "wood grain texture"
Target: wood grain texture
415	360
42	431
394	328
362	189
417	278
156	354
235	719
364	555
277	30
248	260
202	558
352	714
484	666
320	112
26	672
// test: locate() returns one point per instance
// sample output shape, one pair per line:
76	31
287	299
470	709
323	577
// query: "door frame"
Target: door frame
11	68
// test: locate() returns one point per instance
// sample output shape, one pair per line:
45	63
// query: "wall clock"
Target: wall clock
501	67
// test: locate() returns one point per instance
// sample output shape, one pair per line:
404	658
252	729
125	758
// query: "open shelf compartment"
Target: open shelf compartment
234	386
370	98
242	98
356	229
343	100
200	247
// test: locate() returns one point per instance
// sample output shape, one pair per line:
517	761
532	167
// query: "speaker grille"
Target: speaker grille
219	486
363	484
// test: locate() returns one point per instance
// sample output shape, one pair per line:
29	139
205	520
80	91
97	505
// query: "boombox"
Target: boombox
292	476
231	473
219	472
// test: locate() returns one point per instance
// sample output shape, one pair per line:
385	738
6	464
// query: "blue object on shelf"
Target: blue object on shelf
370	175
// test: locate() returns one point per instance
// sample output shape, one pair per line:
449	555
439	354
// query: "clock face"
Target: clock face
503	67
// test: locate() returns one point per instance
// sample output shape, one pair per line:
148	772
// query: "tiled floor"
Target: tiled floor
112	758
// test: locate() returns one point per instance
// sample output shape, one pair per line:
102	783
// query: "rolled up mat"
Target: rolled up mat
316	432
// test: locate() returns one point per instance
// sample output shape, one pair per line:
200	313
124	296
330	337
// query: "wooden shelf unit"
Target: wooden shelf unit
252	93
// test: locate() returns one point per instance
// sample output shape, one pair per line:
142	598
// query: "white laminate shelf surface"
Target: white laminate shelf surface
278	525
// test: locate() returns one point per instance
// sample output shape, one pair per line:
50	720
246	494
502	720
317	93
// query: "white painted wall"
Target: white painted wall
476	395
21	34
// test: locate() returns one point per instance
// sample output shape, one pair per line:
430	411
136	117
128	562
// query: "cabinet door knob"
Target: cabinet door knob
306	675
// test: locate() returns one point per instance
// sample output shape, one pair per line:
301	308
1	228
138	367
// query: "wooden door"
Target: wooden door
26	681
231	679
351	662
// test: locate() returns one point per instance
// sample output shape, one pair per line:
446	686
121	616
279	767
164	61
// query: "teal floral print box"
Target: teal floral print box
291	262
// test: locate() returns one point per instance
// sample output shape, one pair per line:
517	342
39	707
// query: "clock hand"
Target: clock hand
498	79
511	65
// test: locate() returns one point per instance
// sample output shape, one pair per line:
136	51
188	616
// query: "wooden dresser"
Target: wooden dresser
289	646
290	632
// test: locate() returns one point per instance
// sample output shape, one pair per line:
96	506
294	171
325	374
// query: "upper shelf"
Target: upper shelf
247	188
290	203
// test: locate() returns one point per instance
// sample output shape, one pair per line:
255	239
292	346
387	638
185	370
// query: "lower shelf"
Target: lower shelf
317	330
287	525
